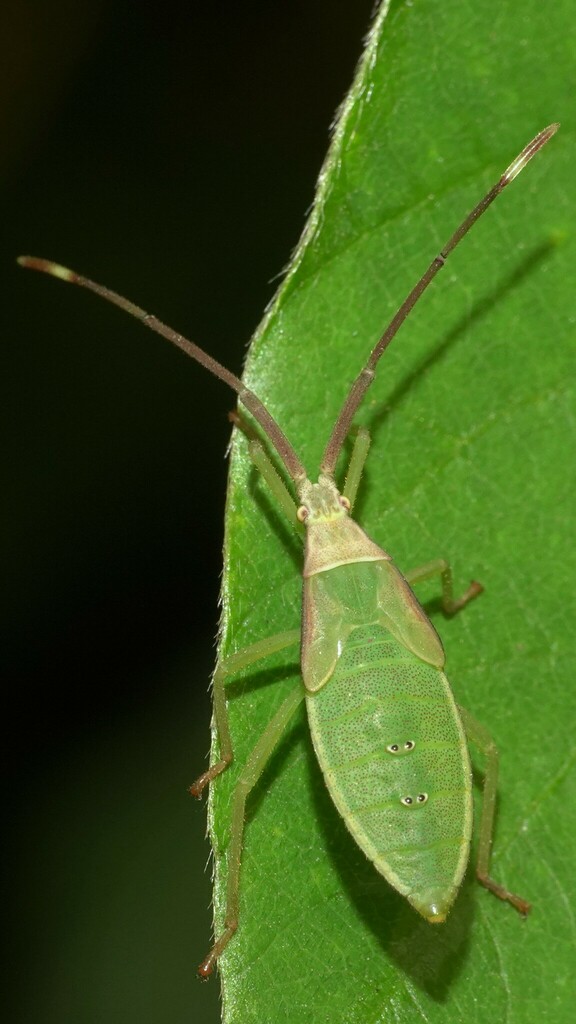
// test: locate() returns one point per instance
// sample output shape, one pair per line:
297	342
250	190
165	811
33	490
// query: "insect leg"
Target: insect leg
278	488
250	774
440	567
481	738
266	467
356	465
224	670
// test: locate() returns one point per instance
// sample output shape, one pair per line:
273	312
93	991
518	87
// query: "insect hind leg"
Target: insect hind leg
481	738
249	776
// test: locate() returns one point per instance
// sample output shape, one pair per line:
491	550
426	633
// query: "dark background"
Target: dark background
170	150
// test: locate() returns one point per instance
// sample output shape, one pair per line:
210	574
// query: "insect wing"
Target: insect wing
405	617
339	598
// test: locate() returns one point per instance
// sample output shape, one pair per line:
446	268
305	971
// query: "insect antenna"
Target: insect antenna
251	401
366	375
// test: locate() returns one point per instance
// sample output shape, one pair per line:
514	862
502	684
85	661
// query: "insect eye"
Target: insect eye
422	798
392	748
345	503
302	514
407	801
409	745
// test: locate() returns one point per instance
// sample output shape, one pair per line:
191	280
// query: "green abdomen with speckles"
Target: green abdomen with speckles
391	746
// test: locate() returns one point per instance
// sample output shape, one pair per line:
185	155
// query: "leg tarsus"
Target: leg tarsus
452	605
521	905
207	966
209	775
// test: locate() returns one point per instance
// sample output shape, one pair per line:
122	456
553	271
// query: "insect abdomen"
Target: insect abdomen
391	746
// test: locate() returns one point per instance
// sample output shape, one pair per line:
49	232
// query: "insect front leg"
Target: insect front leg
356	465
225	670
482	739
249	776
261	459
440	567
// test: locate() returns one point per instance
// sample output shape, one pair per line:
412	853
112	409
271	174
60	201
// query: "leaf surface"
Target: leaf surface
472	421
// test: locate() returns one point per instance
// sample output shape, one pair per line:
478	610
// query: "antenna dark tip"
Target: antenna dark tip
527	153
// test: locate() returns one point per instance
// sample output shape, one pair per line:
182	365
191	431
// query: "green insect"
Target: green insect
389	737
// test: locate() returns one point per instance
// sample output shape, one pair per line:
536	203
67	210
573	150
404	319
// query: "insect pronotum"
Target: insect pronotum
389	737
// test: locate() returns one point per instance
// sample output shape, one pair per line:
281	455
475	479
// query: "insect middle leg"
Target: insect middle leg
440	567
250	773
225	670
482	739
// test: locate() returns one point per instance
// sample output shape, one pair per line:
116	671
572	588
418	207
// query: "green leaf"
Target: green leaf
472	417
